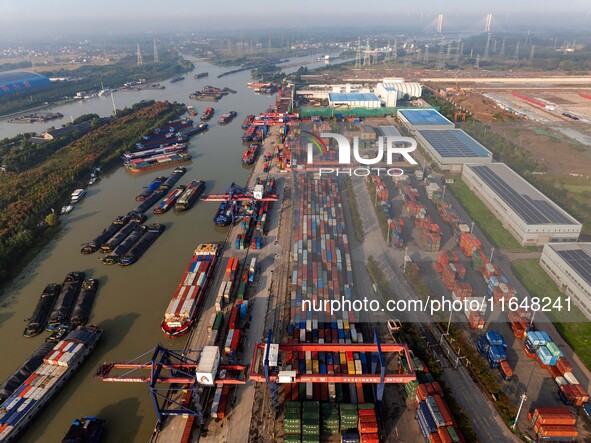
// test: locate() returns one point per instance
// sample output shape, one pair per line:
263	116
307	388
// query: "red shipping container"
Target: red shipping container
367	413
435	438
444	435
558	431
563	365
370	438
369	427
554	372
445	412
437	388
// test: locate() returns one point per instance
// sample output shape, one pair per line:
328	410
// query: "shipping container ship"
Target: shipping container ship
182	309
250	155
186	200
227	118
38	320
58	366
169	139
207	114
196	130
60	313
170	200
144	164
84	302
150	188
152	232
85	430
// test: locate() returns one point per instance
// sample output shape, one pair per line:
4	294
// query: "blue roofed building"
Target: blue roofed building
22	81
424	118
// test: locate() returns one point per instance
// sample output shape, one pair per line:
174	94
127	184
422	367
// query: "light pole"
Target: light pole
449	321
523	398
471	227
492	251
443	194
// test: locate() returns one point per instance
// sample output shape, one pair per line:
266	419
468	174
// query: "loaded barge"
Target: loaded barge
152	232
207	114
184	306
60	314
85	430
185	201
84	302
59	364
170	200
38	320
227	118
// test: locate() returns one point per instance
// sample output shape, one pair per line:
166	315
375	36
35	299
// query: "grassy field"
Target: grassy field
574	327
484	218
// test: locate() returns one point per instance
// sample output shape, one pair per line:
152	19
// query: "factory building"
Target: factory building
530	216
424	118
451	149
569	265
390	90
19	81
354	100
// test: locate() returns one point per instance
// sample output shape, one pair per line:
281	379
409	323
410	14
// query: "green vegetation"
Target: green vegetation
27	197
378	277
90	79
484	218
52	220
573	326
357	225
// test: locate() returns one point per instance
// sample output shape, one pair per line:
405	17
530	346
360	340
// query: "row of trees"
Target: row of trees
27	197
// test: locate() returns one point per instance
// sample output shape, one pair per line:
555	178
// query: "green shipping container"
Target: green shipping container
453	434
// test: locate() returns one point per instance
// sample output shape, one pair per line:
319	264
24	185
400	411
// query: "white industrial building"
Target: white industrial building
354	100
390	90
530	216
451	149
569	265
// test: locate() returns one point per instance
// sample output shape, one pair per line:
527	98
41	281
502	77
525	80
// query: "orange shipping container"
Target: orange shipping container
444	435
558	431
445	412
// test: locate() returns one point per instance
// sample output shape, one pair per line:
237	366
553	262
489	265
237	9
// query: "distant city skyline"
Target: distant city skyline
22	18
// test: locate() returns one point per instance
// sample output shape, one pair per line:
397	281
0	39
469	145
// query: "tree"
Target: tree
52	219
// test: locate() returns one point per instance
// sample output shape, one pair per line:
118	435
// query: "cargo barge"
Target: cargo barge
152	232
58	366
85	430
176	79
196	130
38	320
144	164
192	192
224	215
184	305
201	75
84	302
227	118
177	147
170	200
249	133
104	236
170	139
207	114
250	155
124	246
247	121
60	313
150	188
114	241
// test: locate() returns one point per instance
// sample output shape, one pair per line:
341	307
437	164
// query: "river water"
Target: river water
131	300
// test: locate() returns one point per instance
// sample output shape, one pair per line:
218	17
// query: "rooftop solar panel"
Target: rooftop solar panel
580	261
425	117
389	131
453	143
532	211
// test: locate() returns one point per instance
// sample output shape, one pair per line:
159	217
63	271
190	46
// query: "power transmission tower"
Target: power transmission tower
502	53
459	51
531	54
447	56
426	56
477	64
367	54
140	62
440	24
156	59
516	56
440	63
358	54
395	50
488	23
486	48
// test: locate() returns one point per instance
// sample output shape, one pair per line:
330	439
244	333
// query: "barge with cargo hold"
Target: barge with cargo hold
170	200
85	430
184	305
36	324
152	232
58	366
60	313
84	302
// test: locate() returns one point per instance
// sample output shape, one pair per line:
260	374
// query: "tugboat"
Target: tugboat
85	430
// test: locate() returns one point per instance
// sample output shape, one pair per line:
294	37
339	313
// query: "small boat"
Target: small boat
250	154
247	121
92	181
201	75
191	111
58	333
77	195
207	114
85	430
227	118
66	209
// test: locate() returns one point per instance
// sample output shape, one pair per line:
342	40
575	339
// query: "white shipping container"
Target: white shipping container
309	391
570	378
302	335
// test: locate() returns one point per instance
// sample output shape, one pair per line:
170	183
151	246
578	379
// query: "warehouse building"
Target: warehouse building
391	90
423	118
354	100
569	265
19	81
530	216
451	149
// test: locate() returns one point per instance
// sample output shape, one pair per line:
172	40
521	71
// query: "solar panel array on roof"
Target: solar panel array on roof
424	117
533	212
391	131
580	261
453	143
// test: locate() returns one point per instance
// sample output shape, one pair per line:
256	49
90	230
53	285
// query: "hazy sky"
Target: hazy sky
49	18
